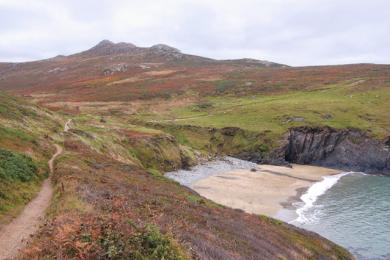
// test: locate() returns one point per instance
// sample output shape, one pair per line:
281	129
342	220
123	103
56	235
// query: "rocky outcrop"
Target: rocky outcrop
107	47
347	149
114	68
166	51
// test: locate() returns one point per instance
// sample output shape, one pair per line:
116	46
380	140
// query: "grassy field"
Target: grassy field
338	106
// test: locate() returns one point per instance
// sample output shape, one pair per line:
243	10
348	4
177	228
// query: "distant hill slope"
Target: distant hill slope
124	72
123	64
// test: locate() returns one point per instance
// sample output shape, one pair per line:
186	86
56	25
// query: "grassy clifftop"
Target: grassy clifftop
340	106
24	152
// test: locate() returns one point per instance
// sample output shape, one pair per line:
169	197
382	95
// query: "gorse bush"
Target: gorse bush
146	243
14	166
224	85
151	244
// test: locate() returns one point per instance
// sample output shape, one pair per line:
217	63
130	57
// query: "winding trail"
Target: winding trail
67	125
15	235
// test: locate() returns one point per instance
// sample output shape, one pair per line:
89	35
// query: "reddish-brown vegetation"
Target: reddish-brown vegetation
121	201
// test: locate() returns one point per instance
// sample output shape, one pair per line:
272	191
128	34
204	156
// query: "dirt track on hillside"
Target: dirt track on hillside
15	235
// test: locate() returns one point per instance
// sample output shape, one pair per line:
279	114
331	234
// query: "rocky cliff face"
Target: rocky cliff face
345	149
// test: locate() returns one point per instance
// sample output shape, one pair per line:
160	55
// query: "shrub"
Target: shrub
202	106
14	166
146	243
151	244
224	85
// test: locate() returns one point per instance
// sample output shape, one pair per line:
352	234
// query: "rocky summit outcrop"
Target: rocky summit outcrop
107	47
346	149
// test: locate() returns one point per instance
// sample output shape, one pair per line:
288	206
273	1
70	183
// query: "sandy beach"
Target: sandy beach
268	191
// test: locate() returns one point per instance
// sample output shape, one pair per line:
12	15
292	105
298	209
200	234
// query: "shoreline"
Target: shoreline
270	190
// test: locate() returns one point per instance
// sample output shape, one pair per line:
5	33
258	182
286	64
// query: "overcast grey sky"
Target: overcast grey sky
294	32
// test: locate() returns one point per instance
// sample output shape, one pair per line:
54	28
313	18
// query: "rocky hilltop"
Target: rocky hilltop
107	47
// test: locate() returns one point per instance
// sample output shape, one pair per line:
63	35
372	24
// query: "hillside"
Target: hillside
342	107
26	133
111	200
118	67
139	112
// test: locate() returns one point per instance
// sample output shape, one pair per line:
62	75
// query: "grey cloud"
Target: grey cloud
295	32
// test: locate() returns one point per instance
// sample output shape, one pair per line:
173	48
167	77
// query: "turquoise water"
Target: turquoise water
354	212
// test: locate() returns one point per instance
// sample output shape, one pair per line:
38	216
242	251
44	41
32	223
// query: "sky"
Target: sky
293	32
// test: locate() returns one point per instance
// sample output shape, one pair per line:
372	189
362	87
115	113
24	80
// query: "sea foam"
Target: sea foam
312	194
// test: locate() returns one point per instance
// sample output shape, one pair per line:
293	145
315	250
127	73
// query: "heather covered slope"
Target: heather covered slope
161	85
26	133
120	68
111	200
138	112
107	209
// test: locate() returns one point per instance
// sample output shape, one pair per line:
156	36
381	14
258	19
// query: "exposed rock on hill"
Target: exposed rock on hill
255	62
165	50
115	68
107	47
345	149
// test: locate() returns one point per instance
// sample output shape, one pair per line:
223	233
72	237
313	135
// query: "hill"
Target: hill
111	200
113	66
341	106
139	112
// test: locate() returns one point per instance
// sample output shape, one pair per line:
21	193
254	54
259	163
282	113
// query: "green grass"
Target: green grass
149	243
25	129
19	182
12	133
134	144
16	167
12	108
338	106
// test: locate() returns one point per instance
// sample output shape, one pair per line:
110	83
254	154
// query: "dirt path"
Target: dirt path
67	125
14	236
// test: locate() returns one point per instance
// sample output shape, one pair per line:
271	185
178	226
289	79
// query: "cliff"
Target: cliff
348	149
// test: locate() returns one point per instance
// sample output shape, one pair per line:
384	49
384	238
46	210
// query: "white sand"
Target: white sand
262	192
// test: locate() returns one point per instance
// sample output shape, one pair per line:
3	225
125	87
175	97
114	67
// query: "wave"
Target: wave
312	194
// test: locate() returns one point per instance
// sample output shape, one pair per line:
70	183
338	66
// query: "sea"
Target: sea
353	210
